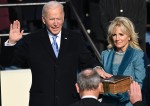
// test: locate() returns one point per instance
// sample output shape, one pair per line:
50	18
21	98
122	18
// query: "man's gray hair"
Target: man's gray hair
51	5
88	79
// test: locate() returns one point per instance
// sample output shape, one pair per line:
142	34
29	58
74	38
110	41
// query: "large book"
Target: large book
116	84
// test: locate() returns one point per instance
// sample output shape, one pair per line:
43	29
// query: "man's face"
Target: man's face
54	20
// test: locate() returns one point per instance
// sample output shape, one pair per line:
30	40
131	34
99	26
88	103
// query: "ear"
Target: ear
77	87
100	87
43	20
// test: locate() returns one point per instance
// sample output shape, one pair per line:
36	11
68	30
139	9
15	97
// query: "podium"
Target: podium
116	84
15	86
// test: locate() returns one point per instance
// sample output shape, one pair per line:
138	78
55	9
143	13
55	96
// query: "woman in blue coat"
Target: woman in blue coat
123	57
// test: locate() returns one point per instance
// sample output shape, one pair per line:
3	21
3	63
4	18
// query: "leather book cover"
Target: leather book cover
116	84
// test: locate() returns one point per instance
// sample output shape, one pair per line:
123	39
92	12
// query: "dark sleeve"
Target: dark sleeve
6	53
14	55
20	55
87	58
138	103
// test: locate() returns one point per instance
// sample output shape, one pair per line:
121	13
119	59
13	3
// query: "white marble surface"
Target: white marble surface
15	86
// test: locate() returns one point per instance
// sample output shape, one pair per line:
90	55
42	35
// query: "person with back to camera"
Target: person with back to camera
54	63
88	86
123	57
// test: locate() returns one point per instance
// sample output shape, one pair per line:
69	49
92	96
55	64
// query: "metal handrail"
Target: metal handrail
24	4
85	32
8	34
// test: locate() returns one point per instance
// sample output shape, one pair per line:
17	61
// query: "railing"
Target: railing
25	4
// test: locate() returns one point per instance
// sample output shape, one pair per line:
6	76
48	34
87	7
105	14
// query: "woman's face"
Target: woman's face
120	39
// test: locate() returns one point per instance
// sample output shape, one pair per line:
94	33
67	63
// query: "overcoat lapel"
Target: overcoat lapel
47	45
110	58
45	41
126	60
64	43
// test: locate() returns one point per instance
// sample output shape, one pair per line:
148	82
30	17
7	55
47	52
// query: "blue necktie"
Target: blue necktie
55	46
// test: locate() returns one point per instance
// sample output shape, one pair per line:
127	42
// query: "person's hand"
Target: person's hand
135	92
14	33
102	73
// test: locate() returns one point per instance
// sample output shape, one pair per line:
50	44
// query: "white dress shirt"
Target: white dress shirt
89	96
58	39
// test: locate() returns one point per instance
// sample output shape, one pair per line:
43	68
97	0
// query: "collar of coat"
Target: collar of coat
125	61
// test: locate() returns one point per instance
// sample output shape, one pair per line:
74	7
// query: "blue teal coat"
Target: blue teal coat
132	65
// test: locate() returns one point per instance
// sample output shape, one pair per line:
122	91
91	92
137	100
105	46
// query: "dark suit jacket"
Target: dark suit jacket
88	102
139	103
53	79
